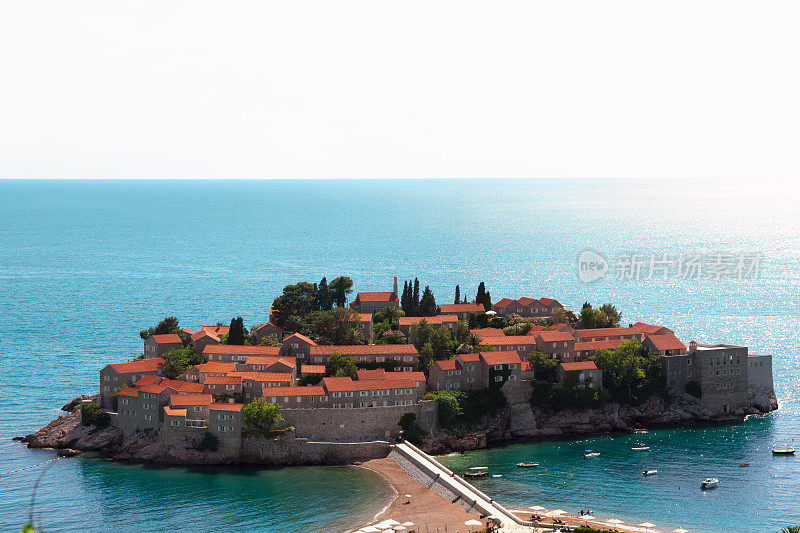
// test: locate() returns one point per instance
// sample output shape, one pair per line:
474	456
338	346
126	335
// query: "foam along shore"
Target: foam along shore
572	520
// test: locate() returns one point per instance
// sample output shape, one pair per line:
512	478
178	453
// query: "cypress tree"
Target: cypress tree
236	332
415	299
487	301
405	300
458	295
427	306
324	296
481	293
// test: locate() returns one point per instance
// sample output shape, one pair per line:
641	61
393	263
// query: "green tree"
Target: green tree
448	404
340	287
544	366
415	299
236	334
606	316
168	325
297	300
405	299
93	415
337	326
442	344
426	358
481	295
260	416
324	296
178	361
612	316
341	367
487	301
458	295
420	333
427	305
411	430
630	374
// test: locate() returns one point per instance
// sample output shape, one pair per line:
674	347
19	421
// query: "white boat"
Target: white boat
650	472
709	483
527	465
497	475
783	451
589	453
640	448
477	471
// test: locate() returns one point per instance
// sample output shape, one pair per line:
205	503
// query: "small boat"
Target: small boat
589	453
639	430
709	483
742	465
650	472
477	471
784	451
497	475
640	448
527	465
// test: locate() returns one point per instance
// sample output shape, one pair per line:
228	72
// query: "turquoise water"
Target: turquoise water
85	265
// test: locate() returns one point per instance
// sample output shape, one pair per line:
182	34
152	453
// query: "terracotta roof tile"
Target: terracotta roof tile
583	365
203	333
376	297
233	407
347	386
415	376
263	377
291	362
461	308
222	380
449	364
300	337
588	334
270	392
366	349
432	320
232	349
371	374
312	369
129	392
598	345
501	358
505	302
190	399
142	365
189	388
167	338
555	336
169	411
147	380
666	342
215	367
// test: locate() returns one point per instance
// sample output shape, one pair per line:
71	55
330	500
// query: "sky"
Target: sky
433	89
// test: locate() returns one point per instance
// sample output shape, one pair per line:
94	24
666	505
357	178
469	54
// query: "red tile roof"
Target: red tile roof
366	349
461	308
469	357
147	380
169	411
215	367
154	388
501	358
188	388
365	317
651	328
291	362
508	340
188	331
376	297
416	376
129	392
274	392
526	366
190	399
666	342
203	333
219	331
525	301
486	332
312	369
270	324
233	407
598	345
555	336
376	384
548	301
587	334
233	349
263	377
167	338
300	337
222	380
582	365
142	365
432	320
371	374
449	364
505	302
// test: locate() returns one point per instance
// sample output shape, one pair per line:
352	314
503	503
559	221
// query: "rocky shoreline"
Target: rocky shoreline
515	423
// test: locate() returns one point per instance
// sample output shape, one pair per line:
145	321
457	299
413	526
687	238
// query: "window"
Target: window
688	362
458	372
456	385
497	367
471	368
105	388
176	422
498	378
107	378
514	378
198	408
148	417
470	380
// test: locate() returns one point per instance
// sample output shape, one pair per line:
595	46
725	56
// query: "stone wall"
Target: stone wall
290	450
358	424
759	371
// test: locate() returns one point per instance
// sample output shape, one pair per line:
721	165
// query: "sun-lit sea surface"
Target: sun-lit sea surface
85	265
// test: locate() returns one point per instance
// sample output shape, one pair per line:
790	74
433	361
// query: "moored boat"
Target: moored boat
650	472
783	451
742	465
709	483
477	471
589	453
640	448
527	465
497	475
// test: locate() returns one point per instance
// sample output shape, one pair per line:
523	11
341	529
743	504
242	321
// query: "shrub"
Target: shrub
93	415
260	416
694	389
209	442
448	405
411	430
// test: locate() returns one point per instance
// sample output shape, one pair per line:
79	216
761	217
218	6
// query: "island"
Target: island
323	382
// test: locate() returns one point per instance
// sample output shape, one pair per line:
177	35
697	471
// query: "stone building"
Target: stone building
604	334
524	345
158	345
584	374
439	321
121	375
462	311
585	350
298	346
367	327
269	331
475	371
663	344
402	356
203	338
231	353
559	344
372	302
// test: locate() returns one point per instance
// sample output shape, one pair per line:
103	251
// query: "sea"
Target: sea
85	265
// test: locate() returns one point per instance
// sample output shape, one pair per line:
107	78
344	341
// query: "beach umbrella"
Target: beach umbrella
407	524
646	525
408	495
371	529
555	512
615	521
537	508
389	523
680	530
400	528
473	522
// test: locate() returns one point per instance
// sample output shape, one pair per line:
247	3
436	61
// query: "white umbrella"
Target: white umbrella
555	512
400	528
647	525
615	521
537	507
388	523
371	529
408	495
407	524
473	522
388	531
680	530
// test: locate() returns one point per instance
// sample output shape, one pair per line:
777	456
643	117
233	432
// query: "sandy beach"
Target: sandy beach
427	509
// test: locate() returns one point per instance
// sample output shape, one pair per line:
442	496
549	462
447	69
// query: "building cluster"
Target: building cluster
209	397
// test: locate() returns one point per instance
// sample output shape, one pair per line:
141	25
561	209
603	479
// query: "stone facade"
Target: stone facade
462	311
118	376
439	321
372	302
759	371
559	344
158	345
